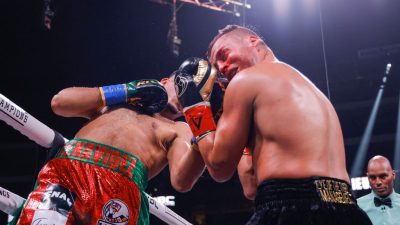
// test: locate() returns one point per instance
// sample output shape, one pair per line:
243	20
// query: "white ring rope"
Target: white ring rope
38	132
10	202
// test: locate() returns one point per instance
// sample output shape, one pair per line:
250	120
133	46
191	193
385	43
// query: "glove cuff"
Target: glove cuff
247	151
200	119
113	94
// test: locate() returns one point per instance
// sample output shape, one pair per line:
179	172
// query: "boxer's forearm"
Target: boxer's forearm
186	166
77	102
215	159
247	177
192	166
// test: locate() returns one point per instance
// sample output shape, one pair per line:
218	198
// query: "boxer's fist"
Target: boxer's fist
186	90
196	86
203	78
147	94
203	75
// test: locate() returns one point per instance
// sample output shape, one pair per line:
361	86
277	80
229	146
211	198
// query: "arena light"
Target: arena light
363	148
48	13
238	3
396	163
226	6
282	8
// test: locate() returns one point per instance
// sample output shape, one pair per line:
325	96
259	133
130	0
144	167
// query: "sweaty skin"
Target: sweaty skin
275	110
156	140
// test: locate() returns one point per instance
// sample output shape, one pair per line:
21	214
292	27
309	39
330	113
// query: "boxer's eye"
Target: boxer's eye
222	54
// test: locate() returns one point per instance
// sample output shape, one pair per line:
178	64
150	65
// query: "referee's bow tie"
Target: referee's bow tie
385	201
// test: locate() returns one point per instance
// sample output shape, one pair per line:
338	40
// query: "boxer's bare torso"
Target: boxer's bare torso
275	110
156	140
147	137
295	130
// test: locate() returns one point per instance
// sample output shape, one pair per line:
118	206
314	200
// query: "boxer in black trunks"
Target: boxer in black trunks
296	168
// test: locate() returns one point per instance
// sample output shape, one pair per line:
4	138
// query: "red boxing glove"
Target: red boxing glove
200	119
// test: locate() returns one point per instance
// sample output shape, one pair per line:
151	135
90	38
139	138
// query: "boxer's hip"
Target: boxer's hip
89	183
313	200
319	189
105	156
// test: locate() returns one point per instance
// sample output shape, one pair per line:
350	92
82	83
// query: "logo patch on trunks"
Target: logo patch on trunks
58	198
115	212
56	203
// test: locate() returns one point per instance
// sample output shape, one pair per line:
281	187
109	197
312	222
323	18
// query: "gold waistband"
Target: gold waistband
333	191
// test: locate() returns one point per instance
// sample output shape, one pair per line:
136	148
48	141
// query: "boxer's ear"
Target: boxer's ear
164	80
253	40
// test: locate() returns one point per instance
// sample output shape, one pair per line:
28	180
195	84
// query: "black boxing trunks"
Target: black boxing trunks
314	200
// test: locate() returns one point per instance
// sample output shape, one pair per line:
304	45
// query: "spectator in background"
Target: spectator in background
383	204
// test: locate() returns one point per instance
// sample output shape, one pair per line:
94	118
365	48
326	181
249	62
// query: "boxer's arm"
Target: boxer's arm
247	177
185	163
77	102
222	150
148	95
